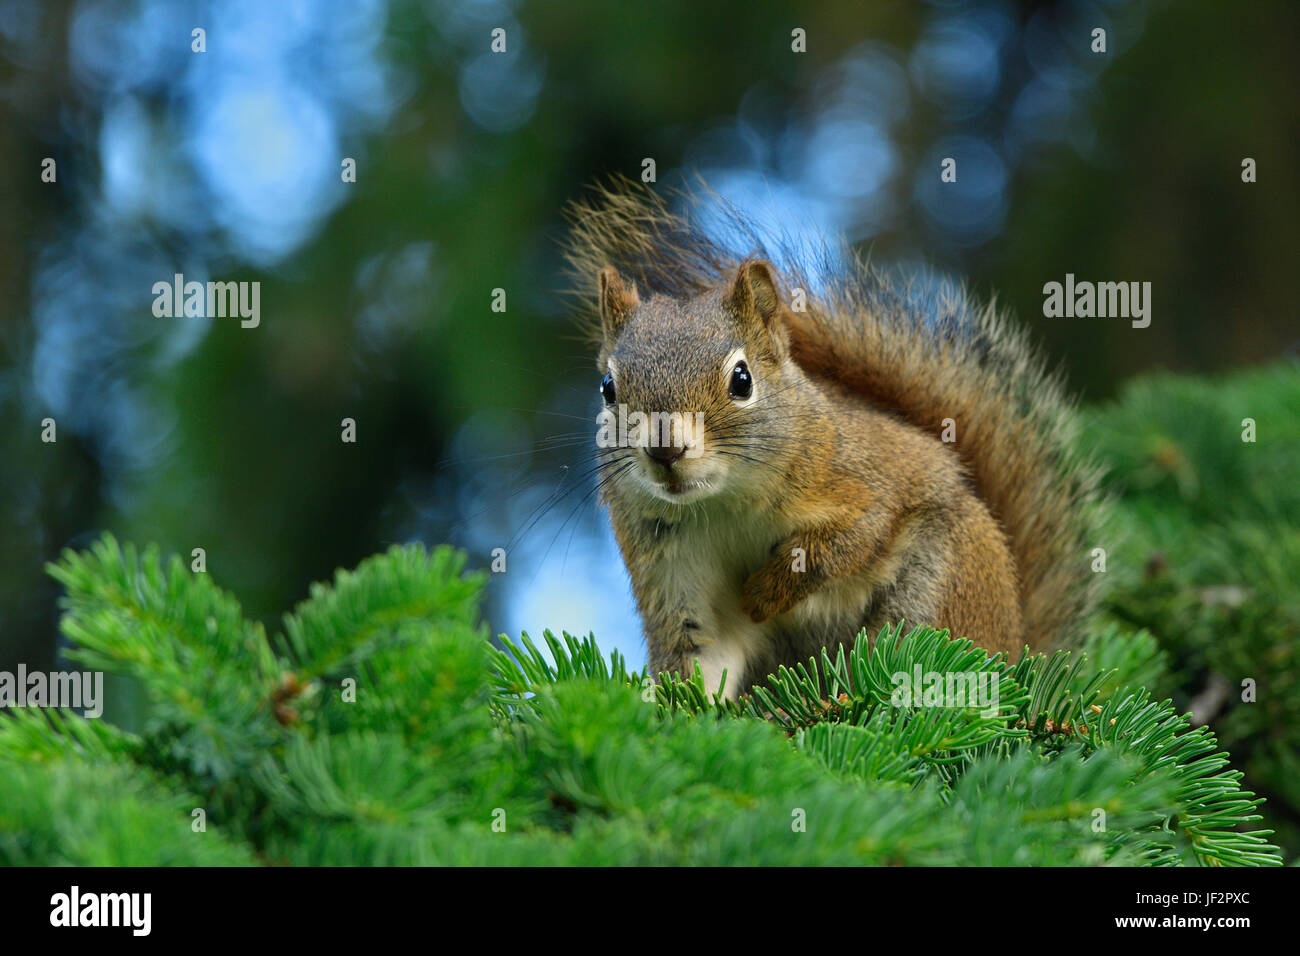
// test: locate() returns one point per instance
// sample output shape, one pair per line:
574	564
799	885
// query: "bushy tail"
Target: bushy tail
926	353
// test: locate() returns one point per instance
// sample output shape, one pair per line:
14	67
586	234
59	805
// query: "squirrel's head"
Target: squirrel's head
694	391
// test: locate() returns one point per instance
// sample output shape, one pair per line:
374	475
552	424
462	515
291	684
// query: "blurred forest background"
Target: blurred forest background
376	295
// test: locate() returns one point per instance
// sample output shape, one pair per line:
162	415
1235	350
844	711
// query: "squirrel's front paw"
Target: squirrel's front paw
767	594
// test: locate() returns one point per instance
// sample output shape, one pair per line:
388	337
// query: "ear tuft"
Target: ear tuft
754	293
617	300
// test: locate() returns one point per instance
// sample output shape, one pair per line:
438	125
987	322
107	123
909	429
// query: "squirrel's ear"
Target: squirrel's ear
617	300
754	294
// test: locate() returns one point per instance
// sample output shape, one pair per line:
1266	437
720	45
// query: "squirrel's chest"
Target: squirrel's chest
690	585
689	578
702	565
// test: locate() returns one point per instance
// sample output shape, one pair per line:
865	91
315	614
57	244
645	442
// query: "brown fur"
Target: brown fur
838	455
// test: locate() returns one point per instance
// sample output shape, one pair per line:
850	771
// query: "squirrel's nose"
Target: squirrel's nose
666	455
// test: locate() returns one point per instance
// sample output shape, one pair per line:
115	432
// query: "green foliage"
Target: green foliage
67	813
1204	553
176	633
381	727
1046	706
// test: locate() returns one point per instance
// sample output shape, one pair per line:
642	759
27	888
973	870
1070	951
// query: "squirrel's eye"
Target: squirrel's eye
607	388
742	383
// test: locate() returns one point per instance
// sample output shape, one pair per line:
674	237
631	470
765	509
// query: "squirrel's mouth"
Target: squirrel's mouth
682	487
671	485
681	491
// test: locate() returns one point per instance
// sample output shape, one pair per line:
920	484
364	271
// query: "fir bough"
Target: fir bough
381	727
1204	554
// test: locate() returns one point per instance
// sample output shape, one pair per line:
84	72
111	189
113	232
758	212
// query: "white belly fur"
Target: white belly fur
703	567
